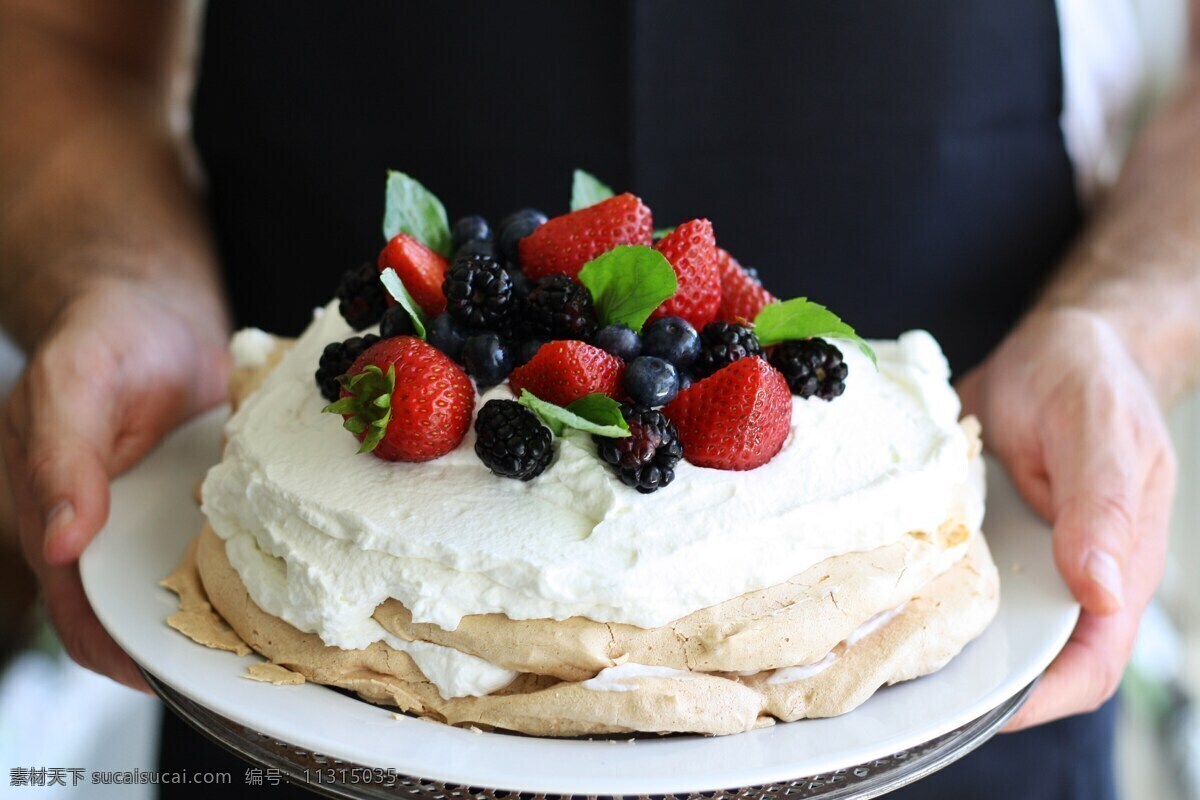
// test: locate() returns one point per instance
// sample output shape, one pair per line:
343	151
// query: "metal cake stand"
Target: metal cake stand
852	783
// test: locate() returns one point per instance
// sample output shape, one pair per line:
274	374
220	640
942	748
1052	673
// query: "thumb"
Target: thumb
66	441
1094	490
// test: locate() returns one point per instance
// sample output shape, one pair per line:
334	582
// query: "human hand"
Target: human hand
122	367
1073	419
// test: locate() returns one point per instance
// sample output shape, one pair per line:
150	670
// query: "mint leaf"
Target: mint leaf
368	404
587	190
411	208
596	413
662	233
395	287
800	318
627	283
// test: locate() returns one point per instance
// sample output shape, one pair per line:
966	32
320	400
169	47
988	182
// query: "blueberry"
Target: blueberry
476	247
651	382
447	335
521	282
396	322
517	226
470	229
527	351
685	381
672	339
620	341
487	359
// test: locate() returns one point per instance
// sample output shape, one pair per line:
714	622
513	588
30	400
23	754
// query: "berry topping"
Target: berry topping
470	229
650	381
487	359
692	250
566	243
479	293
361	297
737	418
511	441
478	247
742	293
396	322
405	401
336	360
646	458
723	343
812	367
620	341
558	307
447	334
420	269
562	372
671	339
515	227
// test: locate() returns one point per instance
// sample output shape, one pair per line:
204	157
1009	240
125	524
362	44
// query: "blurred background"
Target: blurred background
53	713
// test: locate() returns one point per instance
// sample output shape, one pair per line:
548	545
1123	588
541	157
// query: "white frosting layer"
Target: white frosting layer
447	538
455	674
623	677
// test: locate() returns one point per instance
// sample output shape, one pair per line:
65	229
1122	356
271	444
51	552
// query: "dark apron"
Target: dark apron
900	161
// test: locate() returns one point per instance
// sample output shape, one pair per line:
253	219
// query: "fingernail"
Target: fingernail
1102	568
59	518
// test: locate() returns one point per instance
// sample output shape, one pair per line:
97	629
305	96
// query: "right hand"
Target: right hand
122	367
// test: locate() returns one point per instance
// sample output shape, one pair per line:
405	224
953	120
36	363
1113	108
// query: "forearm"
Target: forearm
1138	263
93	192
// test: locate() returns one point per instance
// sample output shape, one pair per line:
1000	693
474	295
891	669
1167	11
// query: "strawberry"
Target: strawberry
692	250
405	400
742	296
421	270
564	244
737	418
562	372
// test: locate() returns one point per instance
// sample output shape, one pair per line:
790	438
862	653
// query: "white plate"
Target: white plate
154	516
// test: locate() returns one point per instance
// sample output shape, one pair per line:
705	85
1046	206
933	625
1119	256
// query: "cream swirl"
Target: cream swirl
447	538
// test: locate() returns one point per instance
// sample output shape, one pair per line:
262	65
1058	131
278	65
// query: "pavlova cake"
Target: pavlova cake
582	477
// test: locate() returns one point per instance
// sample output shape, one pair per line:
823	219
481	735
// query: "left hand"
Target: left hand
1074	420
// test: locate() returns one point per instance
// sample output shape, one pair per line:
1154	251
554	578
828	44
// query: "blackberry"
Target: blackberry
361	296
723	343
336	360
479	293
559	308
811	367
646	458
511	441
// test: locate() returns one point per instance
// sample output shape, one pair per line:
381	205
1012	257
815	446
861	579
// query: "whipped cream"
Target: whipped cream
251	347
447	538
623	677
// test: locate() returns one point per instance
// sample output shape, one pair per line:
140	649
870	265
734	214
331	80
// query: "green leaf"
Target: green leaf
627	283
411	208
596	413
587	190
368	406
662	233
801	319
396	288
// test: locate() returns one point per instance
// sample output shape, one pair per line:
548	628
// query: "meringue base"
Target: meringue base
691	687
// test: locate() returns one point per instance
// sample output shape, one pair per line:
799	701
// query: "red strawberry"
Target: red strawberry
562	372
564	244
737	418
427	411
692	250
742	296
421	270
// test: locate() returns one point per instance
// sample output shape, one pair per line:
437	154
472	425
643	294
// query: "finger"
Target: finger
1085	674
64	420
1096	473
82	635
